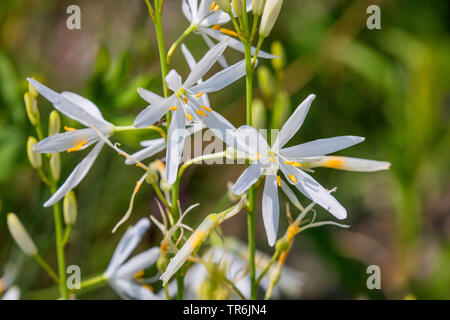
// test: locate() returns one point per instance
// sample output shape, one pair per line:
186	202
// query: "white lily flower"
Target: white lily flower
84	111
122	275
187	104
291	161
206	19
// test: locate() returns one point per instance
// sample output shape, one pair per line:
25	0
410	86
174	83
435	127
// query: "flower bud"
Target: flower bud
32	90
281	109
277	49
163	262
225	5
31	108
34	157
55	166
266	81
239	7
54	123
258	7
269	17
259	114
20	235
70	208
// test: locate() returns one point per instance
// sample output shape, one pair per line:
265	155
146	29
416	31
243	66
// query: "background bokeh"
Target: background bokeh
390	85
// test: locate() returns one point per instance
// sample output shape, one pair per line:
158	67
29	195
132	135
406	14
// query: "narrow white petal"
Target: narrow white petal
86	104
150	97
222	79
175	143
313	190
12	293
205	63
154	113
348	163
139	262
222	61
186	10
203	8
152	147
253	141
188	56
320	147
66	140
294	122
247	179
129	241
290	195
129	289
76	176
173	80
271	208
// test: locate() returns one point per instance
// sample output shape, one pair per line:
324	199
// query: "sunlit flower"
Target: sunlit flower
85	112
187	104
293	162
126	277
207	20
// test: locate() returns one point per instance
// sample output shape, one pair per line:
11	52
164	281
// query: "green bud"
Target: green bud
32	90
239	7
281	110
277	49
266	81
70	208
31	108
54	123
20	235
225	5
258	7
163	262
55	166
281	245
269	17
259	114
152	176
34	157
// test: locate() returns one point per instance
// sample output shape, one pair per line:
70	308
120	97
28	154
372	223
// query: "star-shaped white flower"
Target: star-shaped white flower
186	104
84	111
207	20
267	160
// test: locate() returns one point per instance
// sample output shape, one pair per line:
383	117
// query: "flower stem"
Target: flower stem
46	267
251	191
177	42
160	38
92	281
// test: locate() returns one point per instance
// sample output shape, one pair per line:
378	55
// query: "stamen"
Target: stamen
291	232
282	257
198	95
77	147
279	181
185	100
188	116
138	186
216	27
293	163
174	108
69	128
138	274
228	32
213	5
147	286
216	8
293	179
206	108
334	162
141	166
272	159
201	113
197	238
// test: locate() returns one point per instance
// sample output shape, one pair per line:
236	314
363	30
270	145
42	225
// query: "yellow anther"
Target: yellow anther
188	116
77	147
138	274
228	32
147	286
185	100
282	257
291	232
69	128
164	246
197	238
216	8
293	179
213	5
206	108
140	165
293	163
334	162
201	113
279	181
138	186
198	95
174	108
272	159
216	27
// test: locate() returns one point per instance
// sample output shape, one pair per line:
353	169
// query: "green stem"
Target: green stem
161	196
186	32
161	47
267	268
92	281
258	47
236	289
180	285
66	235
251	191
46	267
254	28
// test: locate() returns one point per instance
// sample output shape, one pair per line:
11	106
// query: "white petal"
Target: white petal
149	96
76	176
152	147
12	293
320	147
186	10
66	140
222	79
173	80
129	241
348	163
205	63
203	8
86	104
247	179
271	208
175	143
290	195
188	56
139	262
218	17
194	8
314	191
294	122
253	141
131	290
222	61
154	113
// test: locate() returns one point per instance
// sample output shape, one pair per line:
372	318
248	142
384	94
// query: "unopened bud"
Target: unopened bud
54	123
225	5
162	262
281	109
259	114
266	81
31	108
277	49
152	175
269	17
70	208
239	7
258	7
20	235
34	157
55	166
32	90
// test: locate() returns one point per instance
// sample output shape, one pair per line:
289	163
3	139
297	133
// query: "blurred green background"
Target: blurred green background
390	85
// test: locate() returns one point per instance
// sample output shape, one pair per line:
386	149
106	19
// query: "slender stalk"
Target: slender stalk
251	191
267	268
66	235
236	289
180	285
46	267
92	281
258	47
177	42
161	47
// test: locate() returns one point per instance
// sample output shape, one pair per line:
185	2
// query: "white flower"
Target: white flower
207	21
13	293
291	161
187	104
84	111
7	290
121	275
